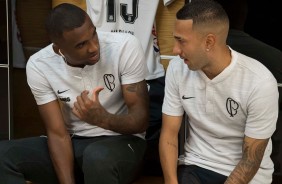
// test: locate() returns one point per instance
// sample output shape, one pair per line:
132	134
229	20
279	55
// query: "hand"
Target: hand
90	110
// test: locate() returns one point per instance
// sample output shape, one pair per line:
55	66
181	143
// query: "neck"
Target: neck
219	63
57	51
78	66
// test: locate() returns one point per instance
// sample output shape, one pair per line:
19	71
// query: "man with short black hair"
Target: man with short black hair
91	93
231	101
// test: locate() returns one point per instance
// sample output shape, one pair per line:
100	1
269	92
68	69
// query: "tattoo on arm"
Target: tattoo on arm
137	88
246	169
132	87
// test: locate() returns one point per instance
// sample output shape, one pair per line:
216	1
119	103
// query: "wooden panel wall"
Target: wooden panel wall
165	21
80	3
31	16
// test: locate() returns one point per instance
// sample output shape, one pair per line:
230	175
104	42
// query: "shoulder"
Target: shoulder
42	58
176	62
43	53
251	65
177	66
178	72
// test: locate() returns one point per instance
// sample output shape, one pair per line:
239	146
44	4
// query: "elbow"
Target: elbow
144	124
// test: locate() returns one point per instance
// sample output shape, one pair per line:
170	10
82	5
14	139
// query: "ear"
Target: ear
210	41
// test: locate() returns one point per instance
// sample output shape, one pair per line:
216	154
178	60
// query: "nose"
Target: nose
176	49
93	46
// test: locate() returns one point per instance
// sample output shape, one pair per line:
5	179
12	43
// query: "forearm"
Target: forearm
253	151
168	149
62	157
59	142
130	123
243	172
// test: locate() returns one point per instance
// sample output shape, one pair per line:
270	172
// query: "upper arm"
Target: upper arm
171	125
169	134
52	118
136	94
137	98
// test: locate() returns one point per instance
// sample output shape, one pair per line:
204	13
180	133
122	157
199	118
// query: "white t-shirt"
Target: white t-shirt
241	100
136	17
121	62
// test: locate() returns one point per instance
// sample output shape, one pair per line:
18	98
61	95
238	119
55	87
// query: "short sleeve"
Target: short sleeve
39	85
133	65
172	103
263	110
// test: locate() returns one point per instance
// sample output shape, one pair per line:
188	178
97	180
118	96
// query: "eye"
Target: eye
180	41
80	45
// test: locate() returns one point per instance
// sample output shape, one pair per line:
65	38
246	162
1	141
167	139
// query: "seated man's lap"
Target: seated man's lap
193	174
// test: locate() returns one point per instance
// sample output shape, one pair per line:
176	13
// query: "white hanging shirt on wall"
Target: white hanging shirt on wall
136	17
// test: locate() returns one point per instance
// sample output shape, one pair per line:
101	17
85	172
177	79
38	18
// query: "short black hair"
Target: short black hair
202	11
64	17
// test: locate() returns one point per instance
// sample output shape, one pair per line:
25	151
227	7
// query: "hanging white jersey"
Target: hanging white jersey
136	17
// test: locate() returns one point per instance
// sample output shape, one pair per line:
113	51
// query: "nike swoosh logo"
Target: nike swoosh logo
184	97
60	92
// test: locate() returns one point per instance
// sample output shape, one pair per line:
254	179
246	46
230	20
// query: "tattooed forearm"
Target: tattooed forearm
253	151
136	120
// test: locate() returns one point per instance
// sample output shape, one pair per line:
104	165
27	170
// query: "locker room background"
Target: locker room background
262	23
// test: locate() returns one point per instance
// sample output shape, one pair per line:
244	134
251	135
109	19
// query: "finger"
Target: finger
75	110
76	106
85	96
81	101
96	91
